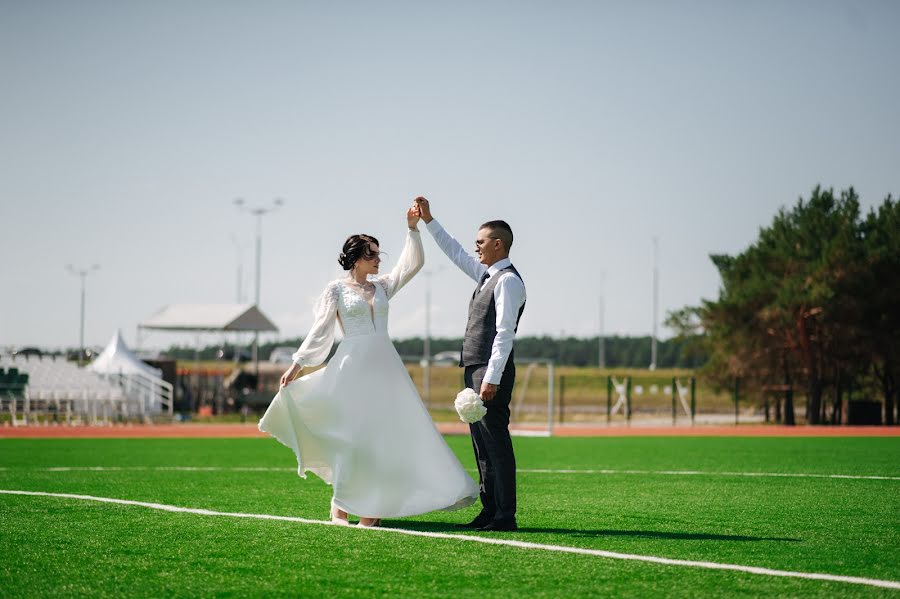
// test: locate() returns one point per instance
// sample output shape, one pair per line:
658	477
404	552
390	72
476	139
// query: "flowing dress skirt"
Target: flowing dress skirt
360	426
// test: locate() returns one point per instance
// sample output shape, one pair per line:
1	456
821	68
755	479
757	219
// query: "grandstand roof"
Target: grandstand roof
209	317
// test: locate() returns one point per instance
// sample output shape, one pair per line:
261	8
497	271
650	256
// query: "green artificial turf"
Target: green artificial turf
60	547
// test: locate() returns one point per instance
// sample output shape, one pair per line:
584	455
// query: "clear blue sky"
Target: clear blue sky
129	127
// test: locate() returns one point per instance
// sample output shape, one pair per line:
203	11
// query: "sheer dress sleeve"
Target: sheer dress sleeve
410	262
317	344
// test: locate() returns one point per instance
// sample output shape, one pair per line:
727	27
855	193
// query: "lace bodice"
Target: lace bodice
356	316
342	305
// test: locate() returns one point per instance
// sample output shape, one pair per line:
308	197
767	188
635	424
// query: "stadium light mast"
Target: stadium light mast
655	303
426	344
258	211
239	254
82	273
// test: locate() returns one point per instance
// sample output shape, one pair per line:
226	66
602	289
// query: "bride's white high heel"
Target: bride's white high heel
375	523
335	518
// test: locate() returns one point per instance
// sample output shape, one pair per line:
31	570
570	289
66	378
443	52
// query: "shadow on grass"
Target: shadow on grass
444	527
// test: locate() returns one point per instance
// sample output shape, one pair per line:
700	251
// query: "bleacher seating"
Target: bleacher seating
13	382
46	387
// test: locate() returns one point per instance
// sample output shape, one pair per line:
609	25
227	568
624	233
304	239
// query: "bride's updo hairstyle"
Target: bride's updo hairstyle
356	247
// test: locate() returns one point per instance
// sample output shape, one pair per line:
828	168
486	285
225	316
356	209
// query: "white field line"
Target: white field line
702	473
520	471
887	584
163	469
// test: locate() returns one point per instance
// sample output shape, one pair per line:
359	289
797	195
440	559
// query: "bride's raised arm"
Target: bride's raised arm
317	344
411	260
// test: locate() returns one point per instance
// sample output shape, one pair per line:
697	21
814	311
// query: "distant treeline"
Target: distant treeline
621	352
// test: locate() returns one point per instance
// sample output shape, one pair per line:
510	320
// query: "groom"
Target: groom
487	355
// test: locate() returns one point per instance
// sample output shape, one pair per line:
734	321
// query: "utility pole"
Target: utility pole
655	302
601	362
601	333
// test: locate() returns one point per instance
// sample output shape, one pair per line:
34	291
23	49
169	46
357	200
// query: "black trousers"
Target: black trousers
493	446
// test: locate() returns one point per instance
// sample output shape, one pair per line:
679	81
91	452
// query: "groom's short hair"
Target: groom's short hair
501	230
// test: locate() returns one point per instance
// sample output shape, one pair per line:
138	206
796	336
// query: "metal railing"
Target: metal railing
151	393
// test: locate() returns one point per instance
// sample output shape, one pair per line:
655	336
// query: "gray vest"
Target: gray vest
482	326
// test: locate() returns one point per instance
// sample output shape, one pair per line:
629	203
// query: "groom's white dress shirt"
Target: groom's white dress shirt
509	296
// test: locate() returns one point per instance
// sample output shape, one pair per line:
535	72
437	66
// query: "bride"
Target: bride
358	423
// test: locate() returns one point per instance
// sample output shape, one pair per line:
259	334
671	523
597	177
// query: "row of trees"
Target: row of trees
813	303
620	352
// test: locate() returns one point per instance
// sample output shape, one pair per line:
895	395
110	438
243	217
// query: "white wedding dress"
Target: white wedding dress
359	423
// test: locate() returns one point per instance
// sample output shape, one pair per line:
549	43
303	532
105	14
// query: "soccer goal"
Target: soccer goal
653	395
533	405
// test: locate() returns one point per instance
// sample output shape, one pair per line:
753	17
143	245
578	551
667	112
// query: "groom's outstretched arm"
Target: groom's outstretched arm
452	248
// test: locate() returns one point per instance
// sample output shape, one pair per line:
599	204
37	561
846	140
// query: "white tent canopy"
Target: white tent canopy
209	317
116	358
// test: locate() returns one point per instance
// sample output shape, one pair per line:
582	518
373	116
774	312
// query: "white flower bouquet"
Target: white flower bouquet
469	406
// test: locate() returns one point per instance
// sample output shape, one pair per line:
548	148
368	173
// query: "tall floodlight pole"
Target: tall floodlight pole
258	211
655	302
426	345
240	268
82	273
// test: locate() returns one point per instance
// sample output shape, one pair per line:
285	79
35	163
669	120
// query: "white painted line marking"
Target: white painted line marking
520	471
528	433
701	473
166	468
887	584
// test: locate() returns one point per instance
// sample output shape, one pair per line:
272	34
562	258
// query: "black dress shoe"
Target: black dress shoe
480	521
500	526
